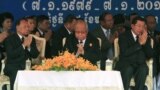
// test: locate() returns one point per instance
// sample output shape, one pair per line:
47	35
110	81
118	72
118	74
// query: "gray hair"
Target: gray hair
81	21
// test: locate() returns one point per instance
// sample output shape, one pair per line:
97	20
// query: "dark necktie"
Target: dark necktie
22	39
81	42
27	53
42	35
26	49
70	34
151	33
137	39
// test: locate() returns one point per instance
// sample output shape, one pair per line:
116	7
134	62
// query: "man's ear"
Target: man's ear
67	25
132	25
17	27
101	22
38	24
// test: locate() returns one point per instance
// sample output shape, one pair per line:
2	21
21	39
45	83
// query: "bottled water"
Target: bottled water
109	65
28	64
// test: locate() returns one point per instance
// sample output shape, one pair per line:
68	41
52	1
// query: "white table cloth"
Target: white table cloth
68	80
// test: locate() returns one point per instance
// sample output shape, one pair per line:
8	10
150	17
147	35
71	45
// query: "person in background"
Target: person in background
132	16
32	30
135	49
63	32
6	21
152	27
128	20
43	30
119	26
106	34
20	47
32	24
155	35
83	44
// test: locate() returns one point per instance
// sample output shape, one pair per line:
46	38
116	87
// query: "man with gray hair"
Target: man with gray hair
83	44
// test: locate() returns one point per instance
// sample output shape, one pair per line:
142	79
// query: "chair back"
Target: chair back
116	48
100	42
64	41
41	45
152	42
3	65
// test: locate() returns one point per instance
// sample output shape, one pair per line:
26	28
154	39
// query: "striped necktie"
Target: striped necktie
108	34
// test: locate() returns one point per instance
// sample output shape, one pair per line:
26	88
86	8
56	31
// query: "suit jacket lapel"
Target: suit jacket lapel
64	32
105	41
130	37
102	34
86	44
75	42
18	38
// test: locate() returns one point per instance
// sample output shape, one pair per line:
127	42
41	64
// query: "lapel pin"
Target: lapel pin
90	44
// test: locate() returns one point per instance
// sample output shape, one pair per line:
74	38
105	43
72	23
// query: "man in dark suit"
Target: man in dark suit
155	34
63	32
19	47
135	49
83	44
105	32
3	36
43	30
6	21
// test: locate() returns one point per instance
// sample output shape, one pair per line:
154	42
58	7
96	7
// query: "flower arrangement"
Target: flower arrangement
66	62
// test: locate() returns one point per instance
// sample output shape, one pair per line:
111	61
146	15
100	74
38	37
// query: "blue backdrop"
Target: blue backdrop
87	9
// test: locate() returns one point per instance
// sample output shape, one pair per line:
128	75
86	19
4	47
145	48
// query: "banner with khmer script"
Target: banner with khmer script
87	9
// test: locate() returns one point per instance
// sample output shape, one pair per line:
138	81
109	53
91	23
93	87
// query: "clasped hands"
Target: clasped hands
27	41
80	49
142	38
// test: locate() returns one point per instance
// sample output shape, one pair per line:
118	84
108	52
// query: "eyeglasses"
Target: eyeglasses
140	26
80	32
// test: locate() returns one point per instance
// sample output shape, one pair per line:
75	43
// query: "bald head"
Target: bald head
81	23
81	29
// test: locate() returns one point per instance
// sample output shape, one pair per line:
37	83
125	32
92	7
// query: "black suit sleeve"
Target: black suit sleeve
16	52
70	45
56	44
92	53
148	49
134	47
12	50
127	49
34	51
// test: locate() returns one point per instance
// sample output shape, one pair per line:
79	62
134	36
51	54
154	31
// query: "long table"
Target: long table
68	80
